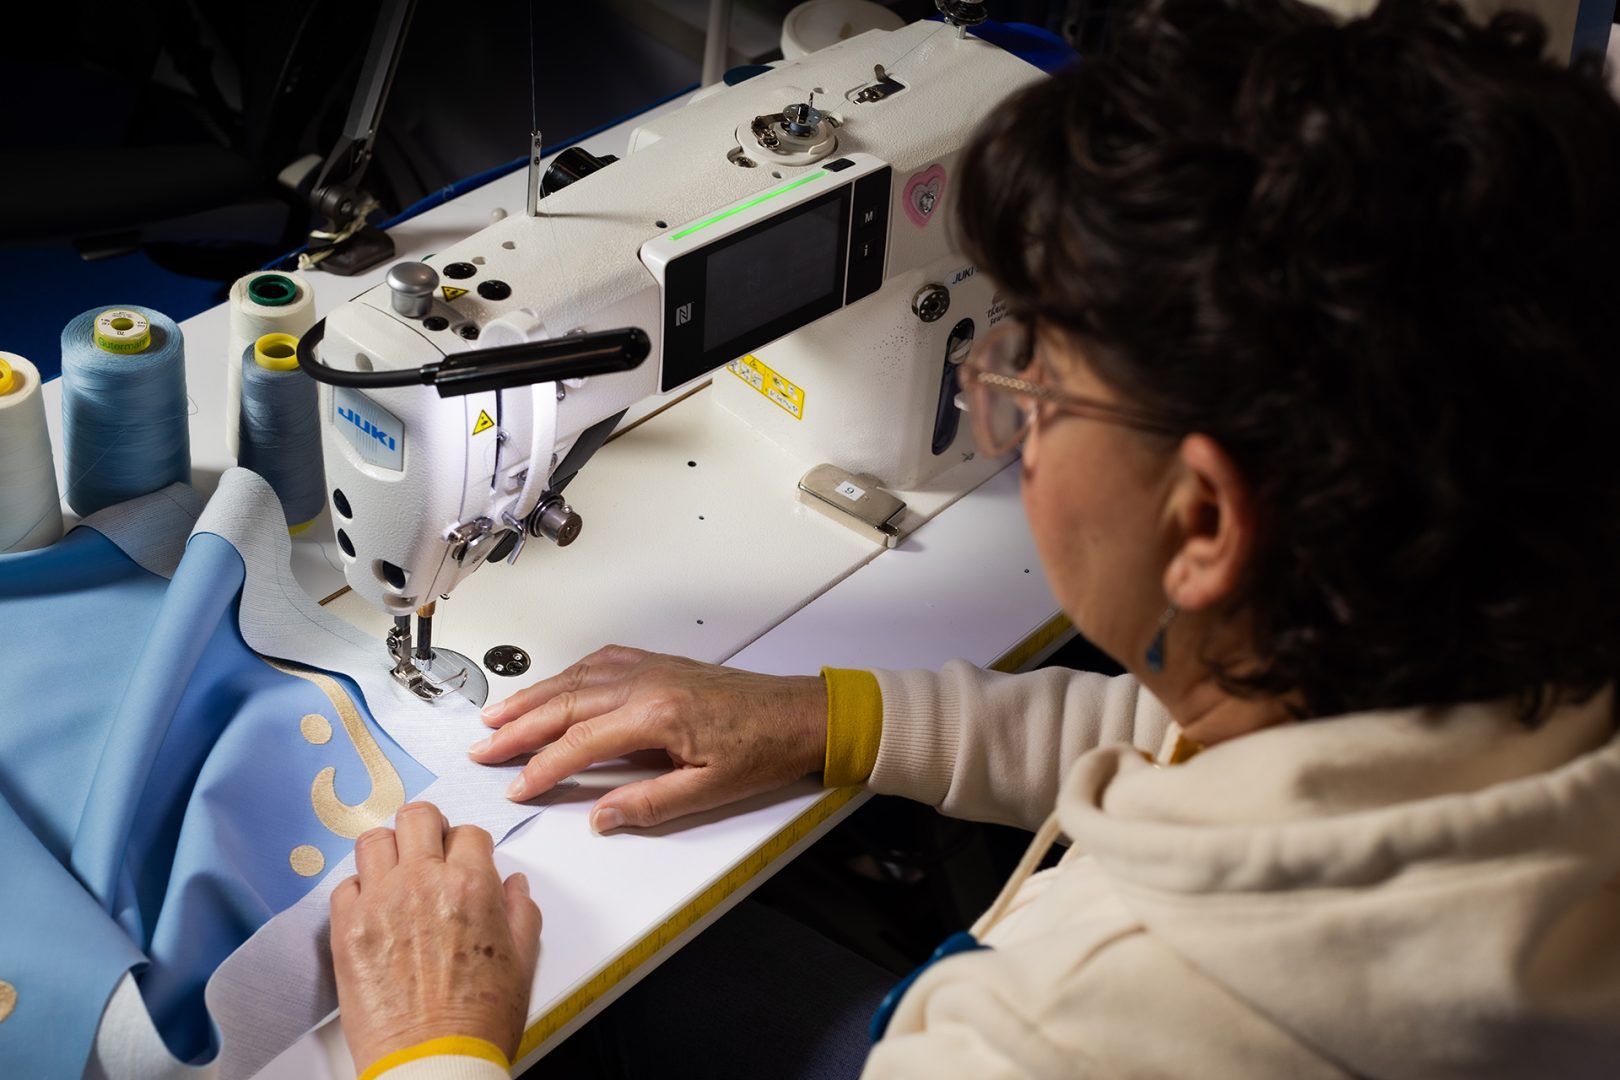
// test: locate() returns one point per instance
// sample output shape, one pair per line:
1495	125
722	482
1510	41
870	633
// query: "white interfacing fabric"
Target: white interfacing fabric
278	985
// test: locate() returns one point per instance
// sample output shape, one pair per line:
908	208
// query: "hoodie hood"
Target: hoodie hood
1422	893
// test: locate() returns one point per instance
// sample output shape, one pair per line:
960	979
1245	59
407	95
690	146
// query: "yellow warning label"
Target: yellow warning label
452	293
752	370
484	422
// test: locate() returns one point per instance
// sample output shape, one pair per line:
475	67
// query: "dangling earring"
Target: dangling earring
1155	649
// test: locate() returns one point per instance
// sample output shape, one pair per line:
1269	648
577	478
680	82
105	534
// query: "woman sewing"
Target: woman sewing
1313	366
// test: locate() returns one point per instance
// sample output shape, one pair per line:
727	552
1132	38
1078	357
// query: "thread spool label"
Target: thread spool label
121	331
375	433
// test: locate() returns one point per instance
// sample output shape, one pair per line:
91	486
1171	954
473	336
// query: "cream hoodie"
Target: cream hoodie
1389	894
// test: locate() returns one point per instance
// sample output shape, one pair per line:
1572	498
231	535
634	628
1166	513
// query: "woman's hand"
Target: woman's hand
729	733
427	941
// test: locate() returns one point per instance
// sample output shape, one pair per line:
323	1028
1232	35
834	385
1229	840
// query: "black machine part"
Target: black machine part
573	356
336	194
574	163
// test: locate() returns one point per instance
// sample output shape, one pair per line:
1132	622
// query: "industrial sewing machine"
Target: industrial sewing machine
792	228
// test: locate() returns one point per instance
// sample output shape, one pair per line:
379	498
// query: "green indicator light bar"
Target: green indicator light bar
722	215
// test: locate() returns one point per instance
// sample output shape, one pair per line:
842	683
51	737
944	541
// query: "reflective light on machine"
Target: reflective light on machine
722	215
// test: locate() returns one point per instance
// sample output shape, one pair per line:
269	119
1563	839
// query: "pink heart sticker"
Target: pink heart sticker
923	194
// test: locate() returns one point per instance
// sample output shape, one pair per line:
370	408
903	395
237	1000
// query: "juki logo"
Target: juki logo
366	426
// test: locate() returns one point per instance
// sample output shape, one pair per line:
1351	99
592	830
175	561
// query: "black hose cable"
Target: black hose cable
572	356
368	380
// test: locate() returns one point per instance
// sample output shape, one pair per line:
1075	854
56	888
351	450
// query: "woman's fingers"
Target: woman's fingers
419	832
344	897
603	665
470	846
522	914
660	799
604	738
375	853
548	722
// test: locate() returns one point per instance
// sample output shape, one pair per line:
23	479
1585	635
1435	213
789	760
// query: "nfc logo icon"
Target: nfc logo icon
683	314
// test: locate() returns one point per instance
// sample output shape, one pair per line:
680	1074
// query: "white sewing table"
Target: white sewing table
666	544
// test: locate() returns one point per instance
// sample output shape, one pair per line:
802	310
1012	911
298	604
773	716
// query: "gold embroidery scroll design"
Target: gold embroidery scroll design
387	789
8	999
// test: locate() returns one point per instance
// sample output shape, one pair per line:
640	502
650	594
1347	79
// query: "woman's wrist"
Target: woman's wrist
812	723
439	1046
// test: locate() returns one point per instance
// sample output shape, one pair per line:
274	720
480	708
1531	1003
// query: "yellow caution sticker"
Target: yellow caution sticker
452	293
788	396
484	422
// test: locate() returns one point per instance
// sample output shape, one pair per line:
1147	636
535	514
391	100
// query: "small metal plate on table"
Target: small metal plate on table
508	660
854	500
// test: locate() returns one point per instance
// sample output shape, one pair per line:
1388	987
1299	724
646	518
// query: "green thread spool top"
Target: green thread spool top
272	290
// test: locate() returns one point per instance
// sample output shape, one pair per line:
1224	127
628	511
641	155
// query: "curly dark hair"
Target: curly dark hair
1373	260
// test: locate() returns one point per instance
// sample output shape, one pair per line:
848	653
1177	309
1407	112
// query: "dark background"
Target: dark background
140	150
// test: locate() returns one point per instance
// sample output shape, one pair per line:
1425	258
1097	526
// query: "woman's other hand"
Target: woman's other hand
427	941
729	733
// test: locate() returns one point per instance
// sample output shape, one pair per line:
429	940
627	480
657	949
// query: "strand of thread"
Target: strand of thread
124	415
281	433
30	507
260	303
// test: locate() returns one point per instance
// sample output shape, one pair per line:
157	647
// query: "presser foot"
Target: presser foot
431	676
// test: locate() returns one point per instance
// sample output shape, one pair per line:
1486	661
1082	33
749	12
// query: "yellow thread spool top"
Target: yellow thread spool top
9	379
119	330
276	352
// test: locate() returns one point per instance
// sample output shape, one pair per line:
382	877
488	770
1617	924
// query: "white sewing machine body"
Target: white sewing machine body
716	261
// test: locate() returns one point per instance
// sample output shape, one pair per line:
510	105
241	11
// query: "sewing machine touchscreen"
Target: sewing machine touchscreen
754	286
771	273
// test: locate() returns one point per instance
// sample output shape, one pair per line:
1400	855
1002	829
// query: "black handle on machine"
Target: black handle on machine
574	356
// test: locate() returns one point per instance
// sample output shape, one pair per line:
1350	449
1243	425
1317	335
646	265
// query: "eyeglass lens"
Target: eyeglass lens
1002	418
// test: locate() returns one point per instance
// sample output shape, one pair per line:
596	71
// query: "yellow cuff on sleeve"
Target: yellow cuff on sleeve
446	1046
854	726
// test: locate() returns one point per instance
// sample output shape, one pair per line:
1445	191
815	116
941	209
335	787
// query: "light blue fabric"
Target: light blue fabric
153	784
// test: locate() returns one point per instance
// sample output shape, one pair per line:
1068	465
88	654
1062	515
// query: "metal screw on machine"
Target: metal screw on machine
931	302
411	285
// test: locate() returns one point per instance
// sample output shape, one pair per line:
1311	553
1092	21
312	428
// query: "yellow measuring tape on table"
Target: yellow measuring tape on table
689	914
683	919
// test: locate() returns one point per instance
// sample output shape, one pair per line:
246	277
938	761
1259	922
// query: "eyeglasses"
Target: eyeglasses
1004	406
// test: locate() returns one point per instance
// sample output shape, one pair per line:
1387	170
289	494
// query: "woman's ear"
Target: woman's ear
1212	517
